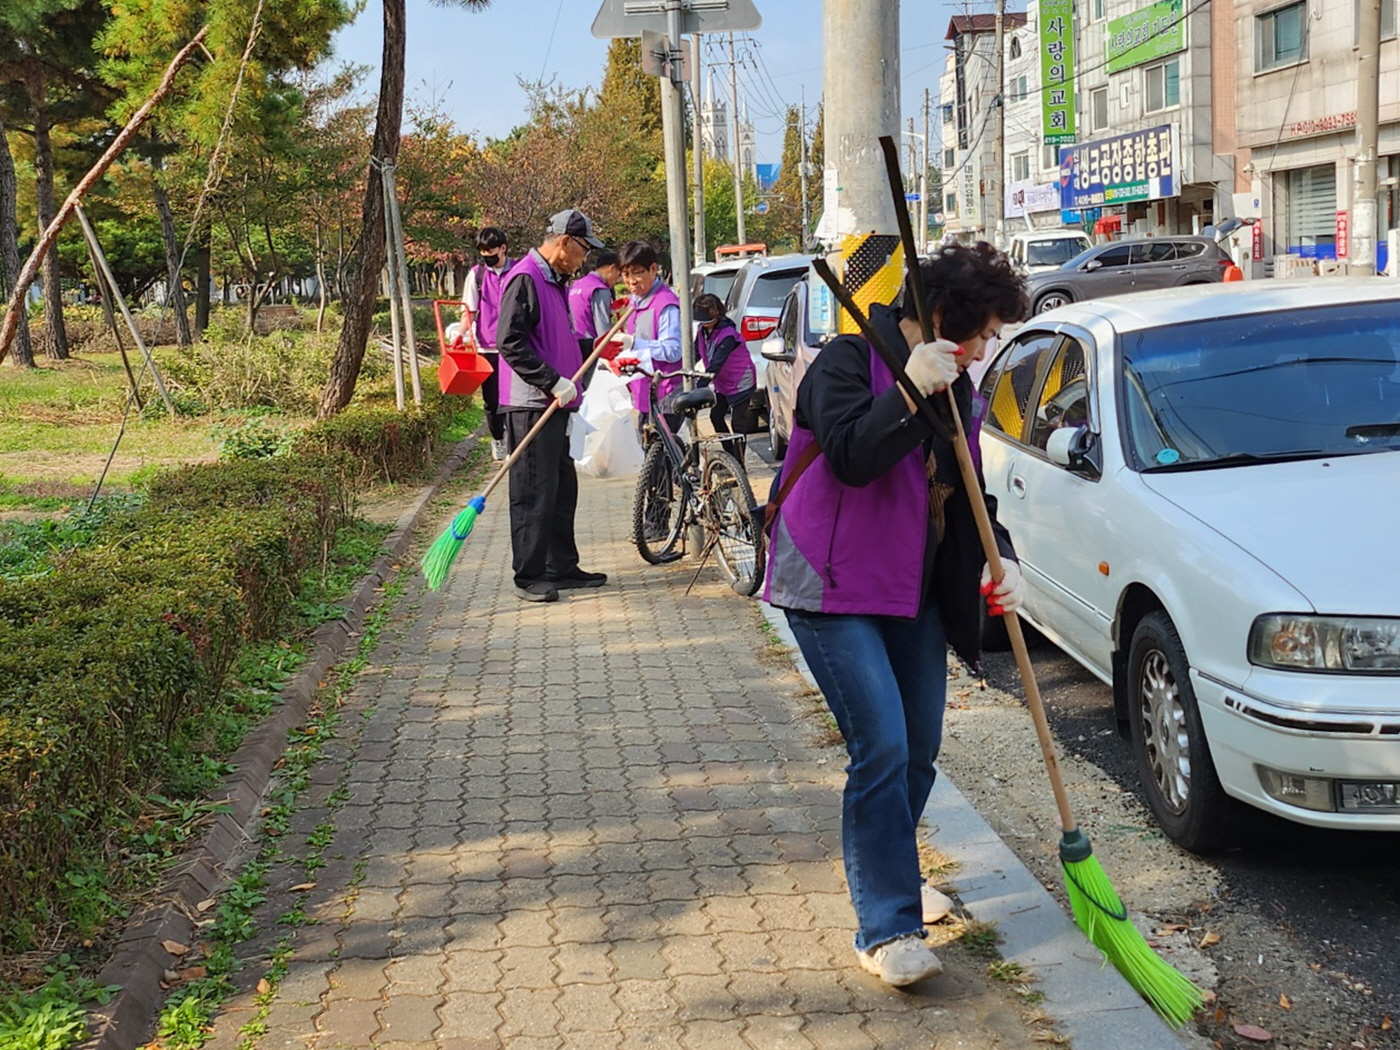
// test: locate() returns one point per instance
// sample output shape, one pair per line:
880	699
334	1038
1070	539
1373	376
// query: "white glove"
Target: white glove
1008	595
564	391
933	366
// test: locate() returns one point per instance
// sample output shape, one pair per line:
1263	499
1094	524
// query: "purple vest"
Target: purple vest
737	374
489	285
552	340
858	551
644	324
581	304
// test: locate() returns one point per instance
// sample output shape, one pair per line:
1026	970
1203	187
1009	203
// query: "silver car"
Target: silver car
1141	265
788	353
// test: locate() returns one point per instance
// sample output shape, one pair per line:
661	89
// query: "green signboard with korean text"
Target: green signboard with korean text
1057	71
1146	35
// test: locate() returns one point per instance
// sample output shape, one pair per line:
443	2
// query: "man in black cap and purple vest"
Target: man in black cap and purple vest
539	357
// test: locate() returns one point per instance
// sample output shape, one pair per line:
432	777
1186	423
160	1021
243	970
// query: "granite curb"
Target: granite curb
1090	1001
139	963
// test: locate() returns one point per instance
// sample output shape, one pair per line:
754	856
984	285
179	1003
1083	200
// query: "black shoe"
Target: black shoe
539	591
578	578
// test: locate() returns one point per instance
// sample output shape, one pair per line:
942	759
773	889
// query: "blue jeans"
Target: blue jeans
885	680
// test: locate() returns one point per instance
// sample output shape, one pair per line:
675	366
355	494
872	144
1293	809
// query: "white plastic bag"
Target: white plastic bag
605	441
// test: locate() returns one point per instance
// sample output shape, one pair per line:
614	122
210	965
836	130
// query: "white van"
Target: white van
1034	251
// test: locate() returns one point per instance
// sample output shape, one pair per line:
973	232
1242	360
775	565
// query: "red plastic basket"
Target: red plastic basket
462	370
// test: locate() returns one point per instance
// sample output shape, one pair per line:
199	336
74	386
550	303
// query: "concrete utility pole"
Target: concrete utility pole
697	145
802	172
994	182
923	178
734	150
860	44
1362	259
673	141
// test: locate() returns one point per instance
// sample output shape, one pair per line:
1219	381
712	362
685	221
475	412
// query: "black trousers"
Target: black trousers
736	411
490	396
543	498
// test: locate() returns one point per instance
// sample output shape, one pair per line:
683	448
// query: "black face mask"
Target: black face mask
495	260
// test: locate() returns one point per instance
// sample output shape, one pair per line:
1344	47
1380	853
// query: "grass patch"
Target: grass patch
1008	972
934	864
980	938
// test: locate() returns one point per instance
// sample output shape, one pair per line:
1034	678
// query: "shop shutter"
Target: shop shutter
1312	206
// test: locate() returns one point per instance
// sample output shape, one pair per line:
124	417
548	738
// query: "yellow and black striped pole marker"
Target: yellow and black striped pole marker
872	271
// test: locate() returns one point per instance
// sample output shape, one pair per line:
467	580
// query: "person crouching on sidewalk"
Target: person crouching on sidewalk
539	357
875	560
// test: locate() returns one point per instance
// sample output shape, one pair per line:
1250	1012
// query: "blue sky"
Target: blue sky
470	62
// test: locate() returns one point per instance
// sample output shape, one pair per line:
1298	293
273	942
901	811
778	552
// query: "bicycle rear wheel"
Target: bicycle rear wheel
657	507
733	515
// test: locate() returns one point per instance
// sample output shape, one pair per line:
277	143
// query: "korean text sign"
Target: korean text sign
1057	71
1154	32
1138	166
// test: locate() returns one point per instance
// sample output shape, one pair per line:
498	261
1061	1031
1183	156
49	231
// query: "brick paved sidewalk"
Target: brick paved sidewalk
604	822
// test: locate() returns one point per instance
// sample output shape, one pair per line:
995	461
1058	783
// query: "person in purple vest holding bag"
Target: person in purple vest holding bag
652	337
539	358
481	295
725	355
876	561
591	298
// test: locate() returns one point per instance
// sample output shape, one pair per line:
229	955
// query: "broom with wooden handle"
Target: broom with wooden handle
438	560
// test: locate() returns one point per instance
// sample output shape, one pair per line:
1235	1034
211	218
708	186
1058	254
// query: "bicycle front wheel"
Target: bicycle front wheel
734	523
657	507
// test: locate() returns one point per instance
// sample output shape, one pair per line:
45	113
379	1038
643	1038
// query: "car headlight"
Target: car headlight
1335	644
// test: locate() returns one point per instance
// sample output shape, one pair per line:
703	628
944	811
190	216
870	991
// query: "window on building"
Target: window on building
1312	209
947	113
1050	159
950	158
1387	20
1098	108
950	203
1020	167
1020	88
1099	10
1015	47
1163	85
1281	37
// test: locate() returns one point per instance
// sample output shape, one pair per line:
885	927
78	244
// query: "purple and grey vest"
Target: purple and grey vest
581	304
841	549
644	324
552	340
489	284
737	375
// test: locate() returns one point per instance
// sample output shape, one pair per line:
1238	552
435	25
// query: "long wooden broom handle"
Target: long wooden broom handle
592	360
973	487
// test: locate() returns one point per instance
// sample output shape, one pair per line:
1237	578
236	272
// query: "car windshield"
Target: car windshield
1293	384
770	288
720	283
1052	253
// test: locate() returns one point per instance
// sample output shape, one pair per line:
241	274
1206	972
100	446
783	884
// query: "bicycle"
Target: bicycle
695	483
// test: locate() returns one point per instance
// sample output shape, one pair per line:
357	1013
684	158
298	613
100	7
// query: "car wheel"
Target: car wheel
777	443
1050	300
1173	755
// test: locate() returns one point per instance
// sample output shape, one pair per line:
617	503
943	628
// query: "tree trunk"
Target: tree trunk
55	335
9	246
368	253
201	287
175	294
320	279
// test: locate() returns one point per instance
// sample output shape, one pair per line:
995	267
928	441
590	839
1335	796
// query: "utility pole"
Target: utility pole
734	149
673	141
923	178
697	145
1362	257
911	170
860	44
802	172
994	184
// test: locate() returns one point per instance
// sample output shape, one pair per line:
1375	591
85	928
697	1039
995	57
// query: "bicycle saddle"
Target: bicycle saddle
689	401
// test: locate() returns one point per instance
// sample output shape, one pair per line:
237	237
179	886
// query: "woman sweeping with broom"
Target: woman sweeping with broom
876	562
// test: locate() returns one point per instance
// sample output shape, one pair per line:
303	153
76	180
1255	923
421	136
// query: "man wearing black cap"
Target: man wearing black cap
539	357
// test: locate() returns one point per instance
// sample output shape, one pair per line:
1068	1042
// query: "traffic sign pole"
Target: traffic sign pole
673	135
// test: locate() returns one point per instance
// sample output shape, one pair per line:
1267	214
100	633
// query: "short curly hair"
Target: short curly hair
966	286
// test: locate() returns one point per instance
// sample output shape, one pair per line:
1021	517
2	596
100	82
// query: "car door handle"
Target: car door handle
1018	486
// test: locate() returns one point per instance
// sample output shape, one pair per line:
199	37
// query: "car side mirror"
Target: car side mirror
1074	449
1092	265
773	349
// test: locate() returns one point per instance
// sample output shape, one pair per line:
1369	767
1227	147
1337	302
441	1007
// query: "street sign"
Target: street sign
656	56
761	208
631	17
912	198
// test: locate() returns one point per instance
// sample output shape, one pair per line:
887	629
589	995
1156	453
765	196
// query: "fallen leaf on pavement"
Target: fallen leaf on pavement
1285	1002
1170	927
193	973
205	904
1386	1024
264	987
175	947
301	887
1208	996
1254	1032
1209	939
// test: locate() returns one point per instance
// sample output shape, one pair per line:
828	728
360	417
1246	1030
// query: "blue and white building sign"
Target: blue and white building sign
1138	166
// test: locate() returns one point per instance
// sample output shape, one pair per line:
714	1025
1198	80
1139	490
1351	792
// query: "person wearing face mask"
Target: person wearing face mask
481	297
725	355
539	358
876	561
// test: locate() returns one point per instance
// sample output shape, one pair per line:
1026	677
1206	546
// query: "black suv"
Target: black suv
1129	266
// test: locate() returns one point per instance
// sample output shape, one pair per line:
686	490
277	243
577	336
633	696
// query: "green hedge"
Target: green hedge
115	655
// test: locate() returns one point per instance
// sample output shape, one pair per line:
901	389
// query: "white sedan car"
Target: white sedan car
1203	485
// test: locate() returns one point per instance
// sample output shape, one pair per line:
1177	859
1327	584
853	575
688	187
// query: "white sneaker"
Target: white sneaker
937	904
901	961
498	449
